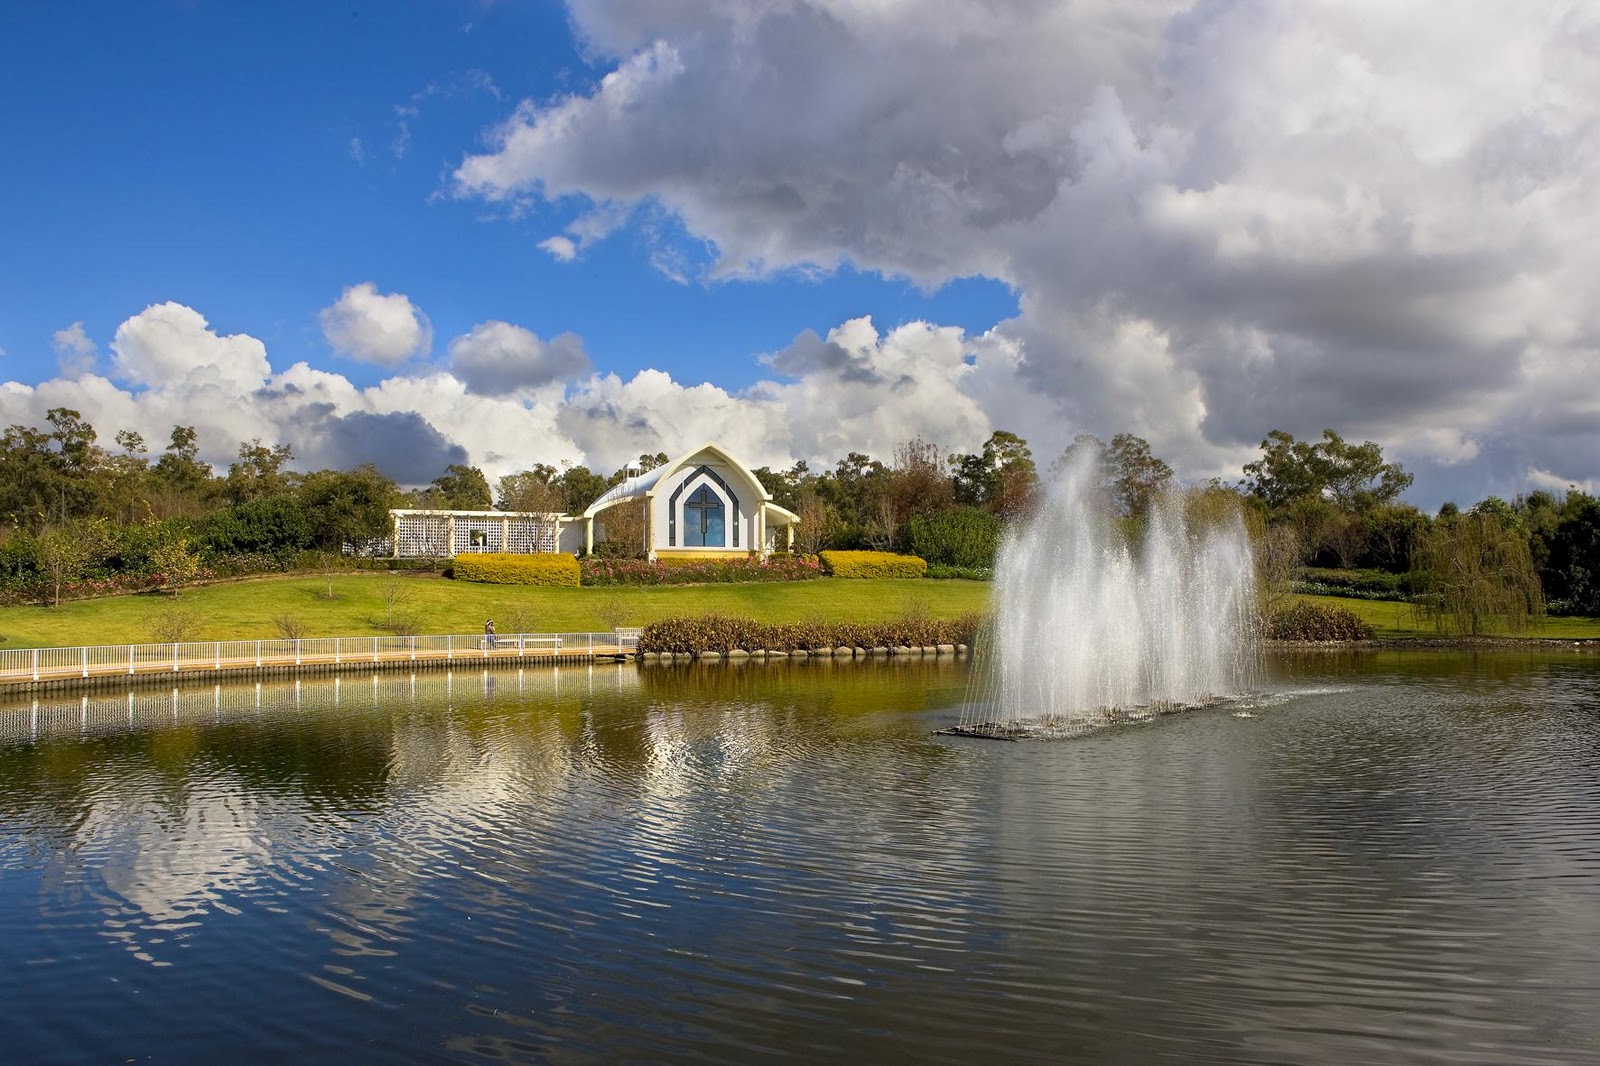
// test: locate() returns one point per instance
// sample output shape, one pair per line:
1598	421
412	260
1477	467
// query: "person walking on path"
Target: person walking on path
488	634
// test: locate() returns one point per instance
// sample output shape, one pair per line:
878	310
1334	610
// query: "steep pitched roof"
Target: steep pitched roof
644	484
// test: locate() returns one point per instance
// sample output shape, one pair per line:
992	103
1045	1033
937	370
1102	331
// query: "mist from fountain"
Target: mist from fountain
1090	628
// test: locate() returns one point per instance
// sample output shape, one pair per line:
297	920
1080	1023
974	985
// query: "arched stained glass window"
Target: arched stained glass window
702	519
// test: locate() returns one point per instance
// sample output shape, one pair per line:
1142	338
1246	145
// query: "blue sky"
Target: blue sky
252	160
508	233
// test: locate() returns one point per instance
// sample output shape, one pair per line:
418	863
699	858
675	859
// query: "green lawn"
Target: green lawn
249	610
1394	619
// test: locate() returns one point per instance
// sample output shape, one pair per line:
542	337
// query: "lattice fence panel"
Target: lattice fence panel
478	535
424	536
531	535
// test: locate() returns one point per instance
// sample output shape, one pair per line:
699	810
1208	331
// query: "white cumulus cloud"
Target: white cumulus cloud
374	327
170	346
75	352
495	358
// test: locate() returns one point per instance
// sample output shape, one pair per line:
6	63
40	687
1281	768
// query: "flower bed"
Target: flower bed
721	634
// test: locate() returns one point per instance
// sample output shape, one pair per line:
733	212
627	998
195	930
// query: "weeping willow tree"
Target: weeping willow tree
1474	570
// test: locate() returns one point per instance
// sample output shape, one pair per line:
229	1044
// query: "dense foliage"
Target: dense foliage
961	537
1307	621
81	517
720	634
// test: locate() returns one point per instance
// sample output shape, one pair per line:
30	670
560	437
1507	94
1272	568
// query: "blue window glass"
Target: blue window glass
702	520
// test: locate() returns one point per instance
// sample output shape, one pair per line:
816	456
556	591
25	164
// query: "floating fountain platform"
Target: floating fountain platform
1059	726
1099	621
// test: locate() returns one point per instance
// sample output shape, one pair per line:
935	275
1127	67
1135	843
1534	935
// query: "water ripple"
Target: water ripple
1386	863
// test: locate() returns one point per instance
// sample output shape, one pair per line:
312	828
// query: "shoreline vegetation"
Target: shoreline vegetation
368	603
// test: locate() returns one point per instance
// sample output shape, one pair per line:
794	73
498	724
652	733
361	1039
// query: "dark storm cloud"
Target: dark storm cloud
402	445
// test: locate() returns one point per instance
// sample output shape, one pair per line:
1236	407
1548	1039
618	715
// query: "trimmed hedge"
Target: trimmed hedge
722	634
733	570
1315	621
872	564
502	568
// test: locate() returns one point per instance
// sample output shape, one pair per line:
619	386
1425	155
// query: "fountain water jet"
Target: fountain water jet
1090	628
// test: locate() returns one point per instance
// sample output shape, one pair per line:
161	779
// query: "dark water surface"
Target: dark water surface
1394	858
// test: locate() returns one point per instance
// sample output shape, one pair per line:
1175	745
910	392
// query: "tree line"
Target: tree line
75	510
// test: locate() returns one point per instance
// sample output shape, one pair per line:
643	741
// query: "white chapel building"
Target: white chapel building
704	503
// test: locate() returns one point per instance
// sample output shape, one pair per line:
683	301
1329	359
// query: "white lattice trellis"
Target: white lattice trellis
422	536
435	534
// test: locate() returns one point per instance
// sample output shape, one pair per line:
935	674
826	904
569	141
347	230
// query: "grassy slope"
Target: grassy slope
247	610
1393	619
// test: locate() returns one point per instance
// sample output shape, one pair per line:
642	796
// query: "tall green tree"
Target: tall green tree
1354	477
919	483
127	477
1572	568
186	486
258	471
578	487
530	490
1137	476
1130	474
348	507
855	493
1002	478
460	488
28	473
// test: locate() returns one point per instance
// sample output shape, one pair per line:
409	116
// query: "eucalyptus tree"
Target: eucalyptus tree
459	488
1002	478
258	471
529	490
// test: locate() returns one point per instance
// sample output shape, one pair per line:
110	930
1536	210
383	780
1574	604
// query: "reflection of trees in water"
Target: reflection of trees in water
177	805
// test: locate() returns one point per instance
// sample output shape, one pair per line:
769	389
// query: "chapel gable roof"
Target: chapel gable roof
644	484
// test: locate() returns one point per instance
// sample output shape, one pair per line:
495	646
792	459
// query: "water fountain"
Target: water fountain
1092	627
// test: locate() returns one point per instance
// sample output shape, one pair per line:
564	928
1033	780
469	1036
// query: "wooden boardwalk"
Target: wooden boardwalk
97	666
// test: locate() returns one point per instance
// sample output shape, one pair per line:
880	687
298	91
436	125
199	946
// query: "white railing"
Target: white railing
42	664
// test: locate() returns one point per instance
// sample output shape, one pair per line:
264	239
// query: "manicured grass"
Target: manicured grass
248	610
1393	619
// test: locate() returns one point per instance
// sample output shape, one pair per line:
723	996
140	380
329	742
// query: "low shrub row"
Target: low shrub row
739	568
504	568
1315	622
1353	584
962	573
872	564
722	634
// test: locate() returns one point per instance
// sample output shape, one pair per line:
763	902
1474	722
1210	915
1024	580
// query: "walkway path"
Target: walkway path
32	667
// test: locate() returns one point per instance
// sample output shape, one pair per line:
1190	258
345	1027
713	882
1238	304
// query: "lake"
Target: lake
1382	857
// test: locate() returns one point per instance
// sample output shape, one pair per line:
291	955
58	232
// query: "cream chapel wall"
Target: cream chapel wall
670	516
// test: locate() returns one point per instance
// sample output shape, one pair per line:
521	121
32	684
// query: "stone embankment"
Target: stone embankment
1446	643
740	655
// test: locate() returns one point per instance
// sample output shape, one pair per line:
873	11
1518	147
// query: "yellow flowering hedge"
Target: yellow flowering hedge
502	568
873	564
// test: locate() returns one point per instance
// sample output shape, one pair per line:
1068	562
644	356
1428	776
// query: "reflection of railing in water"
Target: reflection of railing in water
100	714
31	666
